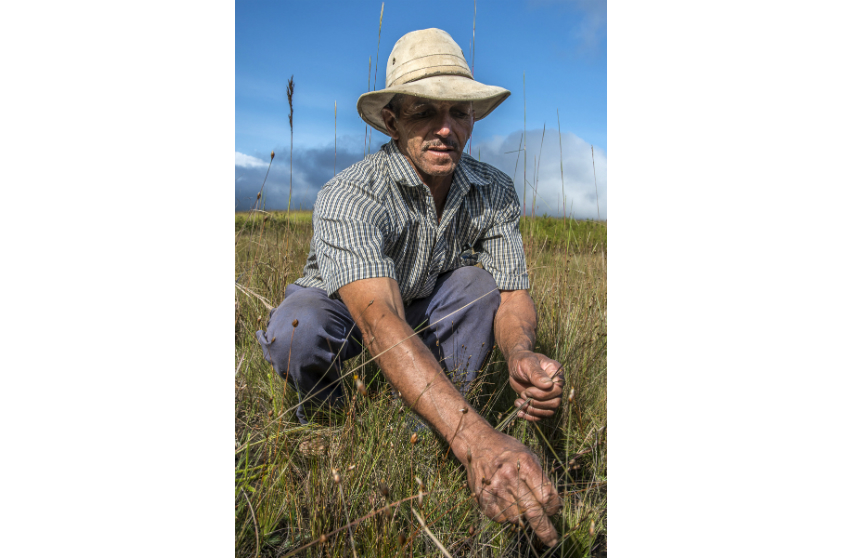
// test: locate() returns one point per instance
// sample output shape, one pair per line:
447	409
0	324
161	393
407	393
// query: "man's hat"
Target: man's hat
429	64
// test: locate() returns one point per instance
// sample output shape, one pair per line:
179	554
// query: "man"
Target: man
395	238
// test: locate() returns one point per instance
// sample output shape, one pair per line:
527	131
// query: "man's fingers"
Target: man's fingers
536	376
540	523
531	411
543	395
543	501
499	508
530	370
549	495
550	405
531	509
510	509
487	501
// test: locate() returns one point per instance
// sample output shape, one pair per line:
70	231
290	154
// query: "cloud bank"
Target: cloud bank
313	167
581	197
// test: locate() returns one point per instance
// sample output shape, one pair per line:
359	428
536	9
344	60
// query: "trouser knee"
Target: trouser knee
305	341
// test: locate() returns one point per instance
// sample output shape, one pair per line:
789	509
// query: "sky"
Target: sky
559	46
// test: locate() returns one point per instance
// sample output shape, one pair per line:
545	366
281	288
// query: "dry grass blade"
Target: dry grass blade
430	533
248	292
594	183
561	166
254	520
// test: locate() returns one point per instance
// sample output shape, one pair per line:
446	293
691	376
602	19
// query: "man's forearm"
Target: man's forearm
515	323
411	368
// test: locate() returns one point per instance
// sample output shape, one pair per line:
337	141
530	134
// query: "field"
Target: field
357	485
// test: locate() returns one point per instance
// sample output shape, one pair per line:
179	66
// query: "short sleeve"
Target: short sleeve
501	247
349	225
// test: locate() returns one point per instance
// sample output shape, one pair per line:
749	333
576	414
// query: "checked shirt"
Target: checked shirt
377	219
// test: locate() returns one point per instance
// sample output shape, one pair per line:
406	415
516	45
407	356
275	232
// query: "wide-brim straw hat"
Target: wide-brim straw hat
429	64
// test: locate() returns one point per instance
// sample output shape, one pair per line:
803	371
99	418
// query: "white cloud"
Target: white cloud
249	162
580	192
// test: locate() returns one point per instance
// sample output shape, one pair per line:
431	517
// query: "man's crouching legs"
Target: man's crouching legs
303	353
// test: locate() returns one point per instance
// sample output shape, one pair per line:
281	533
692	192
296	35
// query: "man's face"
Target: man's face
431	134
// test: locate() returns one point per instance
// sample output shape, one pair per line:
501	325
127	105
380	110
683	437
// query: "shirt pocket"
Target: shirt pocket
467	236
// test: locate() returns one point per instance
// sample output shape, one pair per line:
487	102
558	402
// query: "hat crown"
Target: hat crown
425	53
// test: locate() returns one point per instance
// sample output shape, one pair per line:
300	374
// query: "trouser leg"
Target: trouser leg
464	336
304	353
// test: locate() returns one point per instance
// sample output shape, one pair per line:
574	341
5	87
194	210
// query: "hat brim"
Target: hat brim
485	98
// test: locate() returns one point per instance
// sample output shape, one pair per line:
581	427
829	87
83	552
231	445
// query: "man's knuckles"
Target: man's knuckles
547	405
539	394
552	503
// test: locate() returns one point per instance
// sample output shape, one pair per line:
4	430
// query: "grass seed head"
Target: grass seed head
360	386
272	155
570	397
322	539
471	530
384	489
336	477
469	457
592	529
414	438
401	539
295	323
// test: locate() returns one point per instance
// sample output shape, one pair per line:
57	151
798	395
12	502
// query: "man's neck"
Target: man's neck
439	186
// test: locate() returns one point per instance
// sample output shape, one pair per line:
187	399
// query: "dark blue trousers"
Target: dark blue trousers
461	342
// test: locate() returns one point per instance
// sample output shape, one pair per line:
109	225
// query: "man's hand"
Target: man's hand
529	373
510	485
533	375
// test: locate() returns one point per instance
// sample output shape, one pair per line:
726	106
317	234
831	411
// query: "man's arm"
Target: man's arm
530	373
505	476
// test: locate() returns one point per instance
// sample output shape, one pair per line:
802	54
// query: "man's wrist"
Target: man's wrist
469	436
516	353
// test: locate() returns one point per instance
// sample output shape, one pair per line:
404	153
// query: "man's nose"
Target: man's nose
444	125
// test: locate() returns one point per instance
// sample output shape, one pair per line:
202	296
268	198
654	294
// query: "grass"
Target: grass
358	485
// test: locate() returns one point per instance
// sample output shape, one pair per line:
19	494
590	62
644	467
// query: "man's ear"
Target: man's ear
389	121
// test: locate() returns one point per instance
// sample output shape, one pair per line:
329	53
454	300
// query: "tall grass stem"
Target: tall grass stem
561	165
594	185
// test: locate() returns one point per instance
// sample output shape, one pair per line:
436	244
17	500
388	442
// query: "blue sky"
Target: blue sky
560	45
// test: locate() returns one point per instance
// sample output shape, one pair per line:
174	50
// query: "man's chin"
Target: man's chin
442	164
440	170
